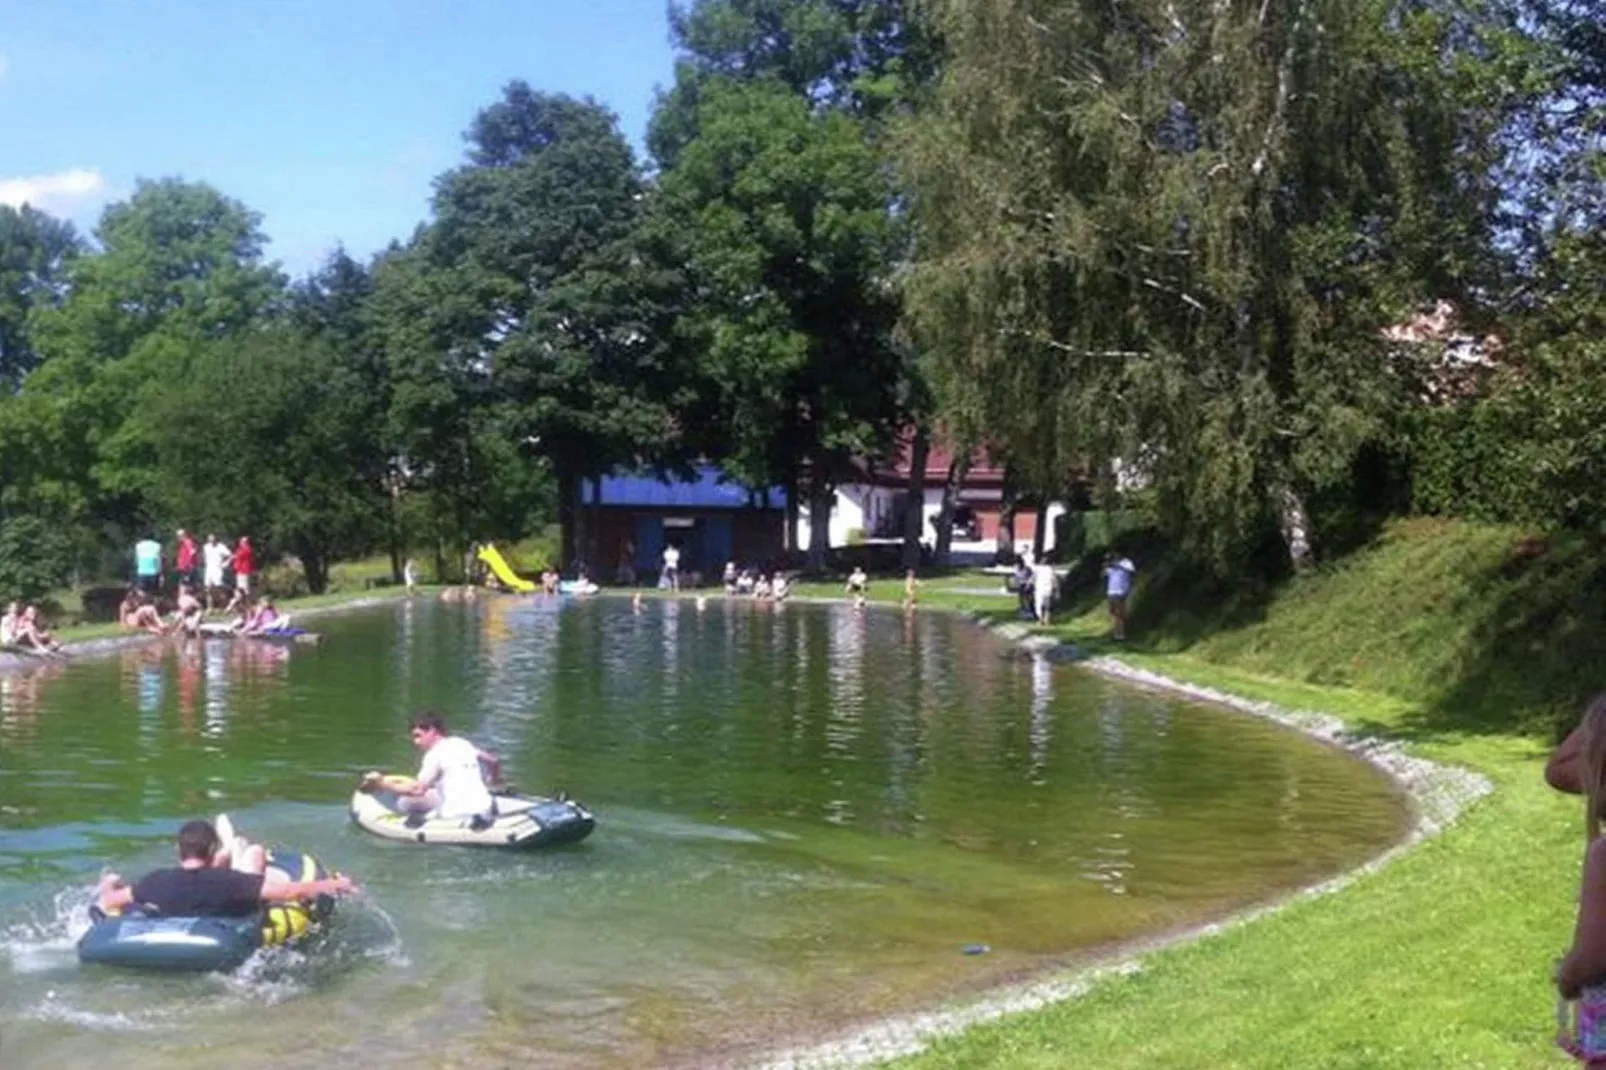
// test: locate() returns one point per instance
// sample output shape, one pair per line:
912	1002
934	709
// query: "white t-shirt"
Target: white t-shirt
216	556
461	787
1043	581
671	557
8	630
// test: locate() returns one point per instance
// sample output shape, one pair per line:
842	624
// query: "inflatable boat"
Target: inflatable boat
151	941
520	821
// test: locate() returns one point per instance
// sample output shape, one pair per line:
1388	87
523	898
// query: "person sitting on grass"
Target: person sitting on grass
137	614
264	619
9	623
32	635
187	616
1579	766
781	587
199	887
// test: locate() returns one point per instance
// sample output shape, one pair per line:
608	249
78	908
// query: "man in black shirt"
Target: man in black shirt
195	888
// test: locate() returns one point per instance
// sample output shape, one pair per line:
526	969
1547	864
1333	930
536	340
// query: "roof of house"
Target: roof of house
710	488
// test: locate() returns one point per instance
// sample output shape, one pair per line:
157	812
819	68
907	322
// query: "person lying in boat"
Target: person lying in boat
137	614
196	887
450	782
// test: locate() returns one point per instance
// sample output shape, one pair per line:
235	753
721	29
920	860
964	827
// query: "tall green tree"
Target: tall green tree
177	265
1163	236
770	146
282	419
790	243
34	250
568	314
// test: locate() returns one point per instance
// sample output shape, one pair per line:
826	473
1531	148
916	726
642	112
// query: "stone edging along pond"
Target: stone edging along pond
1439	795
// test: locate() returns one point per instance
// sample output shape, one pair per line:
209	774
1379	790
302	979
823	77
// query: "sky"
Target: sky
331	118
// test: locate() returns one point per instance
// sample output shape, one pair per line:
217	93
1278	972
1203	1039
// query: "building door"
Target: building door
719	543
649	547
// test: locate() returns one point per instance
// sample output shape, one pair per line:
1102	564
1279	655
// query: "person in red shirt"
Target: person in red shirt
186	558
244	566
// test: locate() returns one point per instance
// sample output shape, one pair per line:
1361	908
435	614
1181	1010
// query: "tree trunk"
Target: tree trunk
582	530
820	492
914	509
789	536
950	499
314	567
568	492
393	540
1040	533
1294	521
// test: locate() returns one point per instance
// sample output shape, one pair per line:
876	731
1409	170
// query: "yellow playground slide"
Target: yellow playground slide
493	557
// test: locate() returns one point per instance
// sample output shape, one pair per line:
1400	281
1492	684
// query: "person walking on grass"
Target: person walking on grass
1117	588
911	586
1044	582
1578	766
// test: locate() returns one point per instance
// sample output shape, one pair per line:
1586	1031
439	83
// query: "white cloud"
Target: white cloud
60	193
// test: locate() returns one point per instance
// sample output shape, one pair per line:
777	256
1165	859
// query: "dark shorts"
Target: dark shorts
148	584
189	576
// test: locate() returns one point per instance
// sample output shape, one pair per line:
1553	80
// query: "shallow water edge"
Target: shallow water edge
1439	794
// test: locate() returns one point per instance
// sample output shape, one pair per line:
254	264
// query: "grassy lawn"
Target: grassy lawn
1440	959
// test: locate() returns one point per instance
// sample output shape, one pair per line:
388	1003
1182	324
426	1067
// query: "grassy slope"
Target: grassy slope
1468	643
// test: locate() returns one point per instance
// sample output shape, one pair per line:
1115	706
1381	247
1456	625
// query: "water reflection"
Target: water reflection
803	814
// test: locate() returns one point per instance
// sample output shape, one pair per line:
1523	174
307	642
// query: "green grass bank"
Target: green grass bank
1472	644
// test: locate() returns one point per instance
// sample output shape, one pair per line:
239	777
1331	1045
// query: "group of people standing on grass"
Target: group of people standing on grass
205	567
211	577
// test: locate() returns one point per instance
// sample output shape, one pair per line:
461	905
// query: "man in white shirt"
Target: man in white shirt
215	557
672	566
450	783
1044	580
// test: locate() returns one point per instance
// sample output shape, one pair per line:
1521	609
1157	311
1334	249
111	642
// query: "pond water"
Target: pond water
804	818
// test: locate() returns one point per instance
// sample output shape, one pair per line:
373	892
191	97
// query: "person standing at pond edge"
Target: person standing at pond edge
672	567
1117	588
1044	582
450	783
184	558
216	558
148	565
1579	766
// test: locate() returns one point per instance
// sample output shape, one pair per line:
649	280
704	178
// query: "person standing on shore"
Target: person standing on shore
1117	588
1044	581
1579	766
216	557
148	565
184	558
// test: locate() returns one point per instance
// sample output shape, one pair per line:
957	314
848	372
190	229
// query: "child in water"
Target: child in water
1579	765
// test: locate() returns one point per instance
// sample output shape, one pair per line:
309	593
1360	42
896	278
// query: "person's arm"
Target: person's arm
493	764
114	893
294	890
1561	772
428	774
1586	959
